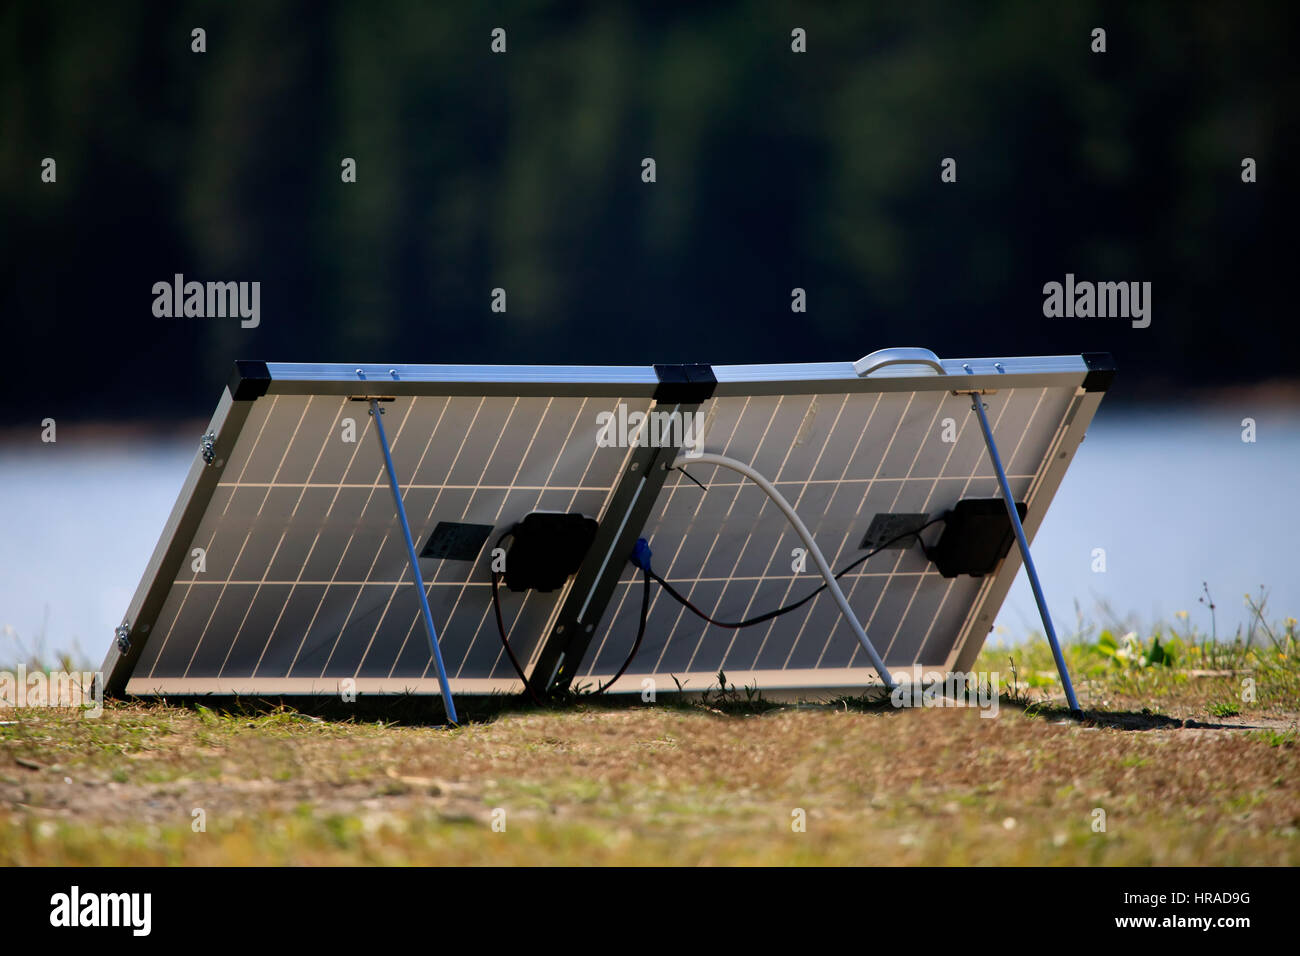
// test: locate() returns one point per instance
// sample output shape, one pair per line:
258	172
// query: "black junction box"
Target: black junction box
547	547
977	534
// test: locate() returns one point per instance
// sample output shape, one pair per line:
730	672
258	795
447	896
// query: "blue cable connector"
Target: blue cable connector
641	554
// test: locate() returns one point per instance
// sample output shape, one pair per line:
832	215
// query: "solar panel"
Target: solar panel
283	568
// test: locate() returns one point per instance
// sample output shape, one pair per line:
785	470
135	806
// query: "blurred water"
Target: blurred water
1174	497
80	520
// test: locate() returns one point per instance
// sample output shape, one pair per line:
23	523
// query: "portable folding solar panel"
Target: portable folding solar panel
315	542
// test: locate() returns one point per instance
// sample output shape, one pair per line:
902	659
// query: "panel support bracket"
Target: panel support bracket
448	704
977	405
682	390
563	649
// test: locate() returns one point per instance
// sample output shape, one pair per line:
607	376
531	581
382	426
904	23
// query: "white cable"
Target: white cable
708	458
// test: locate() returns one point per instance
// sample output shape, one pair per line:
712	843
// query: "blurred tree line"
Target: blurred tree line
522	170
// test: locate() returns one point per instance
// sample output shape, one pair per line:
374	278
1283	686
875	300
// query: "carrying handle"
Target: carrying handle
901	356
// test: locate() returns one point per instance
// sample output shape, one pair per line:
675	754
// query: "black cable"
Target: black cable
501	629
501	626
648	575
640	631
690	476
750	622
505	642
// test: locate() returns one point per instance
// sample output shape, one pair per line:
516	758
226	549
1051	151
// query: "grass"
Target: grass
1185	766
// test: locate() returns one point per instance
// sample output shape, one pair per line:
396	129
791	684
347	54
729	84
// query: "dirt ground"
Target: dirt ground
729	780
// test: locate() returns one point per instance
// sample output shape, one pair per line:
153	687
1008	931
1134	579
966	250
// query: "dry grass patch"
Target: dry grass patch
648	784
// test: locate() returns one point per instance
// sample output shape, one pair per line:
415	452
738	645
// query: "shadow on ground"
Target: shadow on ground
411	710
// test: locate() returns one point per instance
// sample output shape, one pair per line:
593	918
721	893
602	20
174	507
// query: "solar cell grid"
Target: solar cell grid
304	575
840	459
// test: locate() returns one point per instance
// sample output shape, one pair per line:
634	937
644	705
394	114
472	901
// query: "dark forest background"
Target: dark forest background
523	171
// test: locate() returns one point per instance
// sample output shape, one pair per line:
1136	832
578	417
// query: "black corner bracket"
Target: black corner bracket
249	380
1101	371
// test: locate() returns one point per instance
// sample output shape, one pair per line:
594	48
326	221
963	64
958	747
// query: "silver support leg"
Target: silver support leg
977	403
447	702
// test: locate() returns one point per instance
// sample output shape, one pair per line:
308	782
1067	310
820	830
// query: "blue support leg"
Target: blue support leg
977	403
447	702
